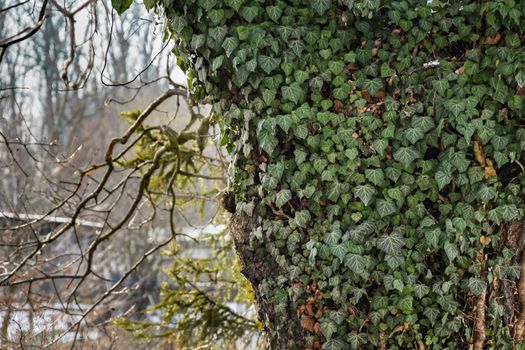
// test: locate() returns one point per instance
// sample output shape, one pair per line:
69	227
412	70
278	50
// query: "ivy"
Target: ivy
387	135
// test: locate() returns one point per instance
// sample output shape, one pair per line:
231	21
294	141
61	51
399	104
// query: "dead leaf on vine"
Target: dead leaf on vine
493	40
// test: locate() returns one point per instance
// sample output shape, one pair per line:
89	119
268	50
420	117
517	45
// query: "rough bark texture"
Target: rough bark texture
281	331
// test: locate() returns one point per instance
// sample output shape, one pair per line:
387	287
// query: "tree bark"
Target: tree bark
283	331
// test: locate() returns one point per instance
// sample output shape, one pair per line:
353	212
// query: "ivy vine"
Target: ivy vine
381	145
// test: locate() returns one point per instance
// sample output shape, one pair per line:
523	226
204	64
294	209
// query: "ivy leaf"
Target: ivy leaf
216	16
235	4
230	44
334	344
198	41
217	63
509	212
365	193
250	67
357	339
301	131
486	193
441	86
420	290
477	286
267	140
432	314
391	243
373	85
302	218
424	123
292	92
455	106
282	197
406	155
218	33
375	176
320	6
328	328
386	71
451	250
432	237
249	13
331	238
338	316
268	64
335	190
121	5
207	4
284	121
339	251
274	12
414	134
356	263
442	178
459	161
297	47
385	208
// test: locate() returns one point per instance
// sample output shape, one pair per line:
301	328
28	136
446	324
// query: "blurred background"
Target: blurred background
110	176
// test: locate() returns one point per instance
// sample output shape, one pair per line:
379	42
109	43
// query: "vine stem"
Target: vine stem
520	323
479	326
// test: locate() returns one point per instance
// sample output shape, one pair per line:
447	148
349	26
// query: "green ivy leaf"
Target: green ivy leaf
339	251
391	243
297	47
217	63
320	6
249	13
442	178
292	92
459	161
267	141
198	41
420	290
282	197
207	5
234	4
121	5
441	86
406	155
509	212
455	106
230	44
385	208
365	193
451	250
216	16
332	238
414	135
274	12
334	344
328	328
356	263
338	316
302	218
373	85
268	64
477	286
433	236
432	314
301	131
375	176
486	193
356	340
